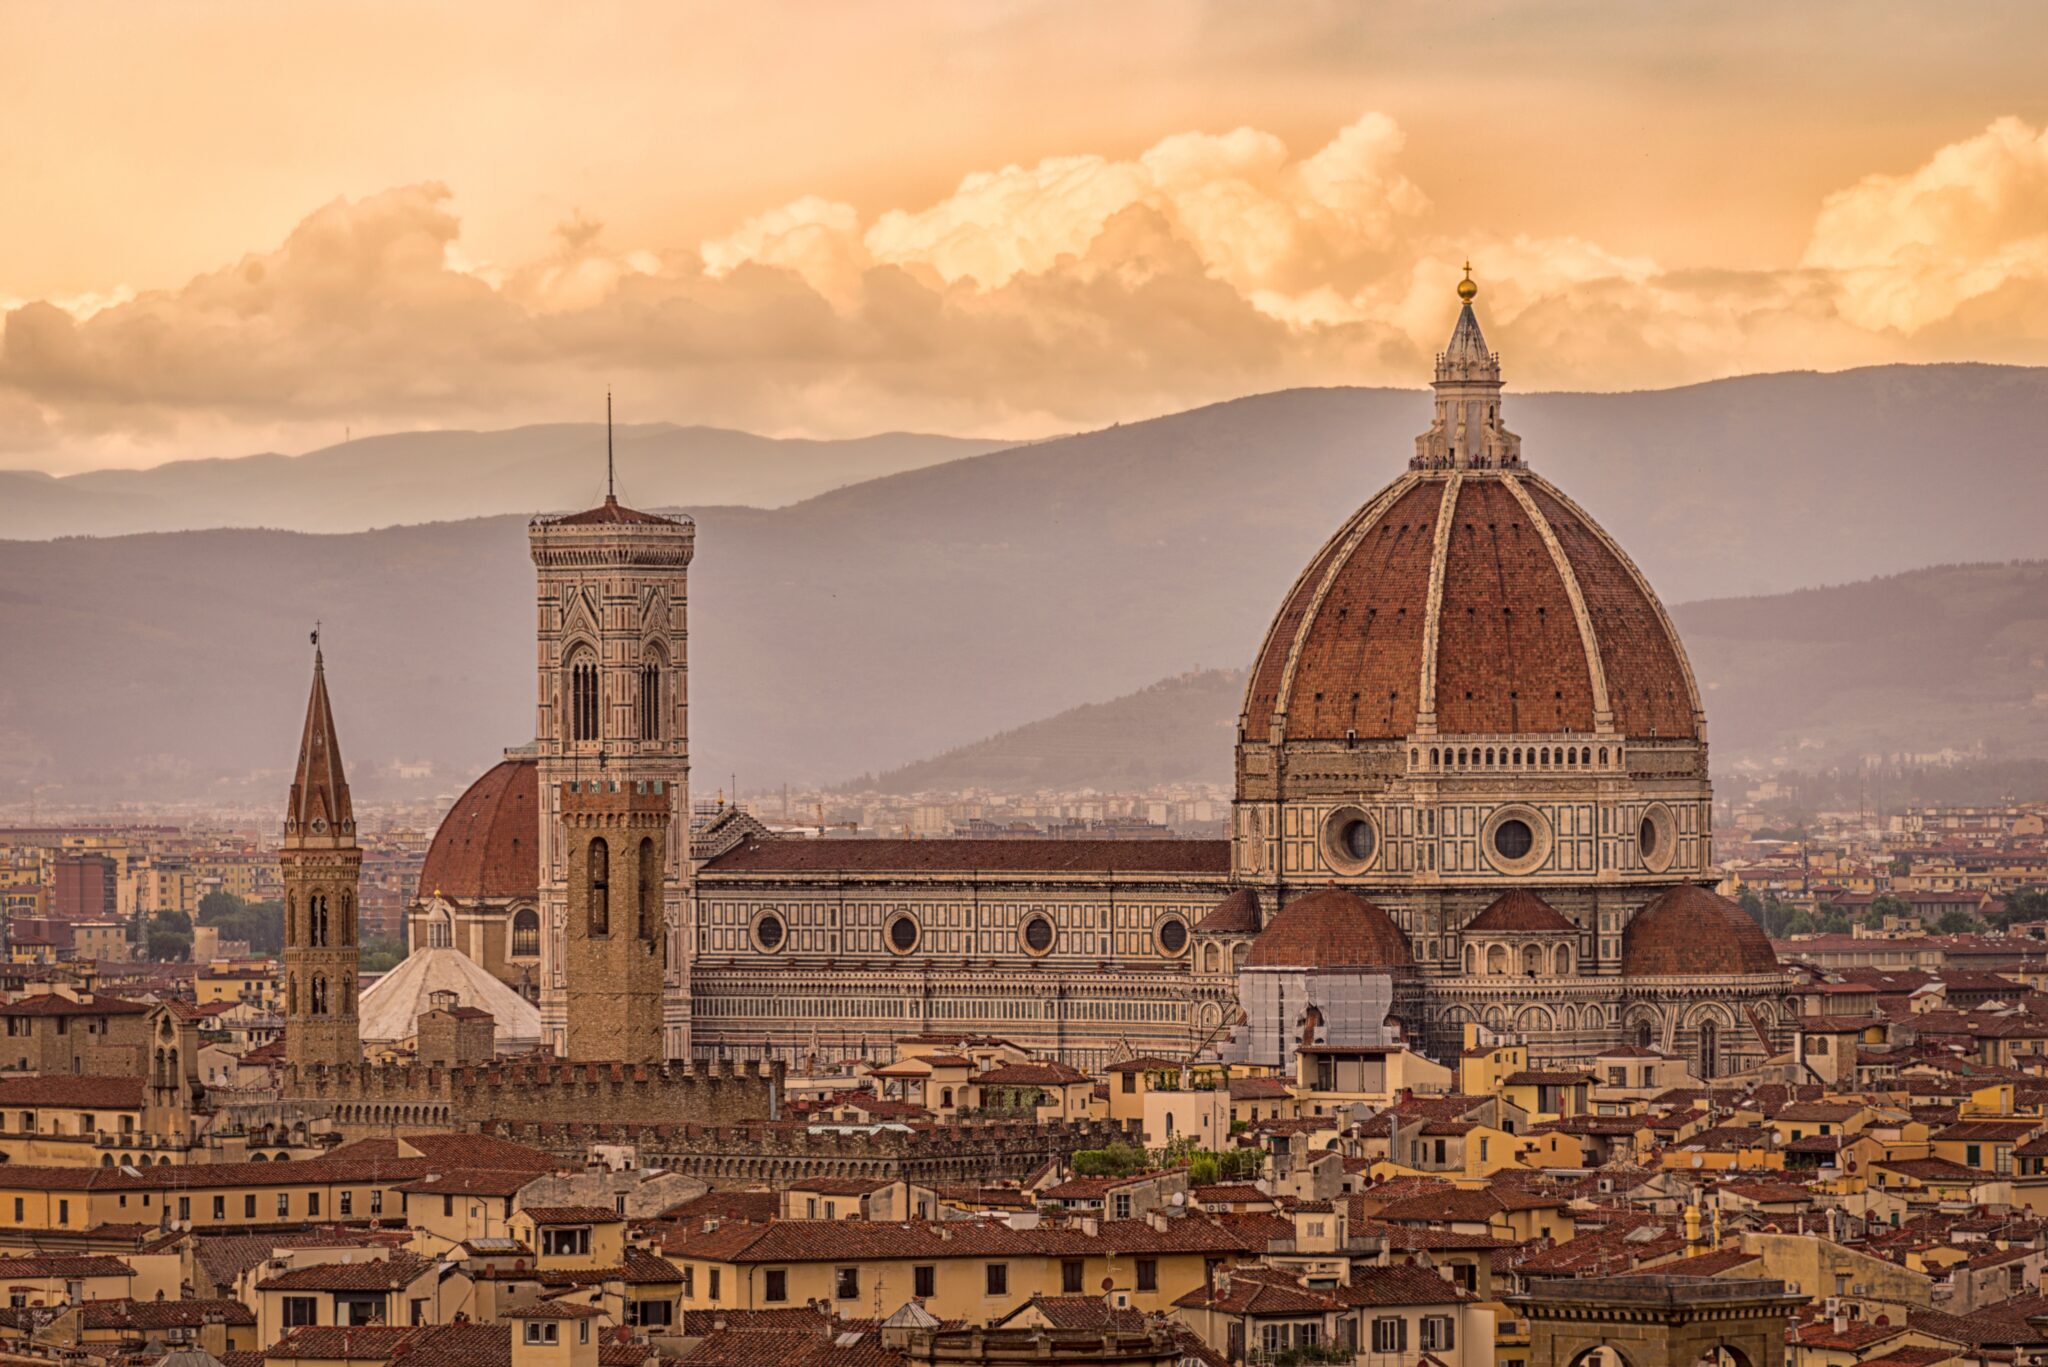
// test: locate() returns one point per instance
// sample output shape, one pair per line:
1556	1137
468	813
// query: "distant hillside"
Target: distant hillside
1916	663
413	477
1171	732
856	631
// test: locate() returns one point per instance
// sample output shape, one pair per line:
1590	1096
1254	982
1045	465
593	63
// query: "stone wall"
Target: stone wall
385	1099
737	1156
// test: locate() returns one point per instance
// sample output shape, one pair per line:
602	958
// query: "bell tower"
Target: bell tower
616	835
320	862
612	730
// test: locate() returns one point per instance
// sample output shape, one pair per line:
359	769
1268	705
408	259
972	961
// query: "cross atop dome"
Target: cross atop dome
1467	433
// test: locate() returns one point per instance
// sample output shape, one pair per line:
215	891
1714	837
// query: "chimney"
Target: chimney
1841	1321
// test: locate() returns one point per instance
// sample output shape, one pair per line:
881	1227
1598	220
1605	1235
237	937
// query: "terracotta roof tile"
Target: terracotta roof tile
1191	858
1330	929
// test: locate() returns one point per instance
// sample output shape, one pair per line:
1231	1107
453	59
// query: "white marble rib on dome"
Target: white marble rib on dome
390	1010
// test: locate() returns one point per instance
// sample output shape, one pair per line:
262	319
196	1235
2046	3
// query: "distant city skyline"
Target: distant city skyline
238	228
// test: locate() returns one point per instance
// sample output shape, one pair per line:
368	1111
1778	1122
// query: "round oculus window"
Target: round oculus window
1646	837
1356	839
903	934
1173	935
1513	839
1038	935
768	932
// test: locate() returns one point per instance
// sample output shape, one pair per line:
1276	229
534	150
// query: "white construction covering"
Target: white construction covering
390	1011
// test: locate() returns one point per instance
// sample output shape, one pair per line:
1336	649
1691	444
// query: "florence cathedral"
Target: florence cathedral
1471	791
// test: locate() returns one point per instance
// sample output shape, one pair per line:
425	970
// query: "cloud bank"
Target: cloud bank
1072	292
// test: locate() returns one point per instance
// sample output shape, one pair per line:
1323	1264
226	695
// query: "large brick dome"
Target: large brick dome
1330	929
1689	932
1482	600
488	845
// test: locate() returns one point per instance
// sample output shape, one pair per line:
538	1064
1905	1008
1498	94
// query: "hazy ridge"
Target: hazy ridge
416	477
863	628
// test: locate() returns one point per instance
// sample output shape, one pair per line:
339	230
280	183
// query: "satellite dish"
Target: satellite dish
1698	1161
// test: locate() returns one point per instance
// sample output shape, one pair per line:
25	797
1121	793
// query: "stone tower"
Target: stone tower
612	599
617	837
321	862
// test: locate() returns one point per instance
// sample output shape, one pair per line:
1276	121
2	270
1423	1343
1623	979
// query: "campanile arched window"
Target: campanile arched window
650	889
600	876
582	695
650	697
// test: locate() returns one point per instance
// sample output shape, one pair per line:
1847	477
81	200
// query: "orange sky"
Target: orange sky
232	227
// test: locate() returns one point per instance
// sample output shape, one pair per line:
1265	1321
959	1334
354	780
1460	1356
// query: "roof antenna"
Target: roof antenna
611	494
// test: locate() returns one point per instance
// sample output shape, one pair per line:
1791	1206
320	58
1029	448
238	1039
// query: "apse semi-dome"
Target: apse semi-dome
488	846
1690	932
1331	929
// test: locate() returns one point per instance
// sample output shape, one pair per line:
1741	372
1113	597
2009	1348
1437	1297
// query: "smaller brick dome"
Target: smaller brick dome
1689	932
1330	929
1237	914
1520	913
489	843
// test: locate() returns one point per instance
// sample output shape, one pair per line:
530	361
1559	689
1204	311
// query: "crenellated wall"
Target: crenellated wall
386	1099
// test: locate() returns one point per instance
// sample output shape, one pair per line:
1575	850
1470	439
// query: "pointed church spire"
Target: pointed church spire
320	804
1467	433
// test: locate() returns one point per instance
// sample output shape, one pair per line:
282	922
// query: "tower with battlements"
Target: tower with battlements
613	728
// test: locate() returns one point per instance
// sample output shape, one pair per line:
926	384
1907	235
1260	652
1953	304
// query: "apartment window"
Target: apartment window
712	1278
63	1212
448	1211
1148	1274
924	1282
312	1205
583	1331
1273	1338
1120	1205
220	1207
1973	1155
1130	1082
775	1284
18	1215
1617	1077
1439	1334
810	1207
284	1204
419	1310
300	1310
1070	1277
1482	1148
846	1283
377	1201
998	1279
249	1206
568	1242
656	1314
543	1332
348	1204
1390	1334
689	1280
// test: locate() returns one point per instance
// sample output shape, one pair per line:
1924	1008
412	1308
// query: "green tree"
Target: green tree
1117	1160
1956	923
379	956
169	937
259	924
1887	904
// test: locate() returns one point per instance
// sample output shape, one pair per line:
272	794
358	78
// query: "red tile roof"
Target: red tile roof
488	846
1520	912
1688	931
1193	858
1237	914
1330	929
106	1093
